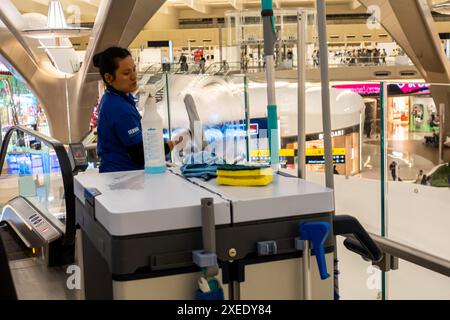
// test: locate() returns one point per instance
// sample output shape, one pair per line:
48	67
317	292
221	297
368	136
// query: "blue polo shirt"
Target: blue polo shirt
119	127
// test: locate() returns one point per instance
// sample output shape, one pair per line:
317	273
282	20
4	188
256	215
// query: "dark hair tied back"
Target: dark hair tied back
97	59
107	61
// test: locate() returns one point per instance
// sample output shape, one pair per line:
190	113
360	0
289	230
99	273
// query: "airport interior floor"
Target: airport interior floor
407	148
32	278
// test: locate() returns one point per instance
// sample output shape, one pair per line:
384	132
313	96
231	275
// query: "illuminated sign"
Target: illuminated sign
337	133
321	160
317	156
265	153
413	87
362	89
369	89
321	152
311	152
254	129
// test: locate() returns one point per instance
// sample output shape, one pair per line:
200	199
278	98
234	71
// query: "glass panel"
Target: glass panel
359	112
9	179
418	183
358	279
208	111
32	171
357	157
412	282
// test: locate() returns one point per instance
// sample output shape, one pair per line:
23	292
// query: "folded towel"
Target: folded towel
203	171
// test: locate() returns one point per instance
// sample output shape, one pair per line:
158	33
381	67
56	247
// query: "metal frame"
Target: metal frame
407	253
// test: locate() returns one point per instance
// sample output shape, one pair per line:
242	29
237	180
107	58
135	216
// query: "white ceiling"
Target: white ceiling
88	8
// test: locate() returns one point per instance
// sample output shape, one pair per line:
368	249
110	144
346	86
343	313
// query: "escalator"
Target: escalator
15	249
37	217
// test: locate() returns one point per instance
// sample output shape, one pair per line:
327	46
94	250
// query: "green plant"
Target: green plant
440	177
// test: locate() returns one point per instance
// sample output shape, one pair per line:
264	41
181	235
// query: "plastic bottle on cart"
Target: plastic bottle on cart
152	136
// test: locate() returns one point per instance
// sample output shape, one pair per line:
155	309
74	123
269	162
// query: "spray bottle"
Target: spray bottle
152	136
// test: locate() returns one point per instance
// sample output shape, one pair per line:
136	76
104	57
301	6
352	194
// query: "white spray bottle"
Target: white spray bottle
152	136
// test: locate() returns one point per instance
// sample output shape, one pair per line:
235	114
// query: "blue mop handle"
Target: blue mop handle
317	233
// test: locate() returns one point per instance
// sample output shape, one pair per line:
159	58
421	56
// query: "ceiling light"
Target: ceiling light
56	25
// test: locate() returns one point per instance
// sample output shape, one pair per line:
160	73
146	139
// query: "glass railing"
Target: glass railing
418	184
206	111
396	181
37	168
391	169
254	66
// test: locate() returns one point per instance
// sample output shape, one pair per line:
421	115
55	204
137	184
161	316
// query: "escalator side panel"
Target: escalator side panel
29	224
7	289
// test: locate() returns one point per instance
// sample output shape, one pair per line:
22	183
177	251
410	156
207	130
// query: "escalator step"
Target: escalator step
14	247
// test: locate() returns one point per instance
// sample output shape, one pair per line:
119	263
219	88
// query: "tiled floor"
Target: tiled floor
405	147
35	281
32	278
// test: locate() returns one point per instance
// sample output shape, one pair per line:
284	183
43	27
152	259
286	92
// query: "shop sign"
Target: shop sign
370	89
266	153
321	152
361	88
337	133
254	129
321	159
314	152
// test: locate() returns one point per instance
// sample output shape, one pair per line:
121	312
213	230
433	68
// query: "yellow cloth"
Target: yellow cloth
248	181
244	173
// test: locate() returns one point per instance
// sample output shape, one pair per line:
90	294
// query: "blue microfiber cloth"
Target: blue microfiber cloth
201	165
203	171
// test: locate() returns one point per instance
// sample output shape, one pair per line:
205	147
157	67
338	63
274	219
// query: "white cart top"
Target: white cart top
133	202
284	197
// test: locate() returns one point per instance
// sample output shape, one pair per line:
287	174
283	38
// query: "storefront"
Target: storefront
409	106
18	105
346	151
423	114
398	110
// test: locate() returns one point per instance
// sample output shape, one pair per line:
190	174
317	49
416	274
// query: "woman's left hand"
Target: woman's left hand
172	144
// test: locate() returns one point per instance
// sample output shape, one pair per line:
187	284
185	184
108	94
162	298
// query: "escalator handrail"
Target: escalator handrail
66	172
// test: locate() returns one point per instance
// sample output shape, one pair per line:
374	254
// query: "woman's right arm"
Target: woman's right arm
129	132
136	153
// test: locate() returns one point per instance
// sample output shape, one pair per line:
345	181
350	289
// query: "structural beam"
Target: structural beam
416	33
354	4
277	4
13	21
93	2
